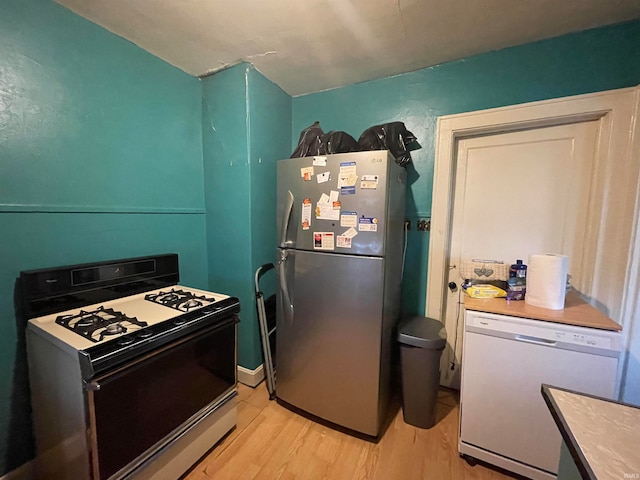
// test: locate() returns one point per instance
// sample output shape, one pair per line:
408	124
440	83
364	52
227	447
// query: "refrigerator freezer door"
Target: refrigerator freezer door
324	201
329	350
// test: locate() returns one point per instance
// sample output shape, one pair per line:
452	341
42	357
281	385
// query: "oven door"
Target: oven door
140	408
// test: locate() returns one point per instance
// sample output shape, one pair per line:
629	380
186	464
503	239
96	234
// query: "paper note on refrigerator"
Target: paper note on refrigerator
347	177
325	211
352	232
368	224
348	219
369	182
343	241
306	214
323	177
306	173
320	161
323	241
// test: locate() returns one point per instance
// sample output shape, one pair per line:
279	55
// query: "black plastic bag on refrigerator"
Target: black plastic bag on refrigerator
309	141
392	136
337	142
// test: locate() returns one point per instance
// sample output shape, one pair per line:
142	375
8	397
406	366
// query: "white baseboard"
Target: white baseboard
249	377
23	472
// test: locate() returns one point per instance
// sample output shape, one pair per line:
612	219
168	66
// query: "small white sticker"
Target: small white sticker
323	240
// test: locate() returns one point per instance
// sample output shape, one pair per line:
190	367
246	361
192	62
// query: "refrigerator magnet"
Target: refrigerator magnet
323	241
336	205
343	242
369	182
368	224
348	168
352	232
348	219
306	214
306	173
325	211
323	177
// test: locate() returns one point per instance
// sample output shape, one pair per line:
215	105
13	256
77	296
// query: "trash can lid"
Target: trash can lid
422	332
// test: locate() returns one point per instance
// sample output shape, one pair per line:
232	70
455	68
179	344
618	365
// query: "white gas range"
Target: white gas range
132	381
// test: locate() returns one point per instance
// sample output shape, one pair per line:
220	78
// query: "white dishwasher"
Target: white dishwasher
503	418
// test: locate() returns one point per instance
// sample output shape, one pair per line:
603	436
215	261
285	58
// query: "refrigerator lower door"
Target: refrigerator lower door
329	345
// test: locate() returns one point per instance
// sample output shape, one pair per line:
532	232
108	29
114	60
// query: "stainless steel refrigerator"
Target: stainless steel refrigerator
340	221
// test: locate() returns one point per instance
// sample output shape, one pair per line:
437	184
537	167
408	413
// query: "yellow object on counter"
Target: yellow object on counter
485	291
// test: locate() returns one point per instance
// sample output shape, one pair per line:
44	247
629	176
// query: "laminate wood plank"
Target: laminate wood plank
271	442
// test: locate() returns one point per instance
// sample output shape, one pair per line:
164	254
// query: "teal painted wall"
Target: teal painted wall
600	59
81	108
100	158
270	134
227	182
246	128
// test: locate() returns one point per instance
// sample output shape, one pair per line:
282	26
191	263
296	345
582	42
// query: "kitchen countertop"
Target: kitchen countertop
576	311
602	436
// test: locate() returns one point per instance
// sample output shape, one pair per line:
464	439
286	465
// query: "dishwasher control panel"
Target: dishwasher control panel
542	332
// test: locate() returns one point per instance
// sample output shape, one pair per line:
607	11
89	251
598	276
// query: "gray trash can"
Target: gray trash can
422	341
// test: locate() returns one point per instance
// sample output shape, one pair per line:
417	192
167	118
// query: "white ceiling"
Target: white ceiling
307	46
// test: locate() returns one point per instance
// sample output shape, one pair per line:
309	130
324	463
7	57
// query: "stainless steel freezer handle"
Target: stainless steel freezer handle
286	217
284	288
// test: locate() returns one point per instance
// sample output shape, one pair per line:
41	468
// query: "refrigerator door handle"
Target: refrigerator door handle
286	217
284	287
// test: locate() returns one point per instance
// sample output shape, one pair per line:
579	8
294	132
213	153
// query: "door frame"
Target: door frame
616	112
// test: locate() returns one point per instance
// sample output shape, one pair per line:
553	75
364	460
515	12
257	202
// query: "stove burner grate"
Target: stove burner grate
179	299
97	324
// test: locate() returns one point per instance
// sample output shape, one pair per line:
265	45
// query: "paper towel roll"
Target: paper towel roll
547	280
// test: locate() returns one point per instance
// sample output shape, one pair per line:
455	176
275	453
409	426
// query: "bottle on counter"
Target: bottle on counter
517	283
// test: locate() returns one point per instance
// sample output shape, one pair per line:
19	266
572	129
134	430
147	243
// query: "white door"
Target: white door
516	194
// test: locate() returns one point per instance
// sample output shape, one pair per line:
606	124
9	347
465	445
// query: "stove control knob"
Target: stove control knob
144	334
125	341
179	321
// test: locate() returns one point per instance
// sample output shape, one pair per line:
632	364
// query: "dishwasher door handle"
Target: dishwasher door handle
536	340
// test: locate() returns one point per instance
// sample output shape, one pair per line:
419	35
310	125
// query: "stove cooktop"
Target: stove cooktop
97	324
84	327
182	300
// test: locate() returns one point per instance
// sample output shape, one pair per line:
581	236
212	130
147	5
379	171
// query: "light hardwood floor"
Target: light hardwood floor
271	442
